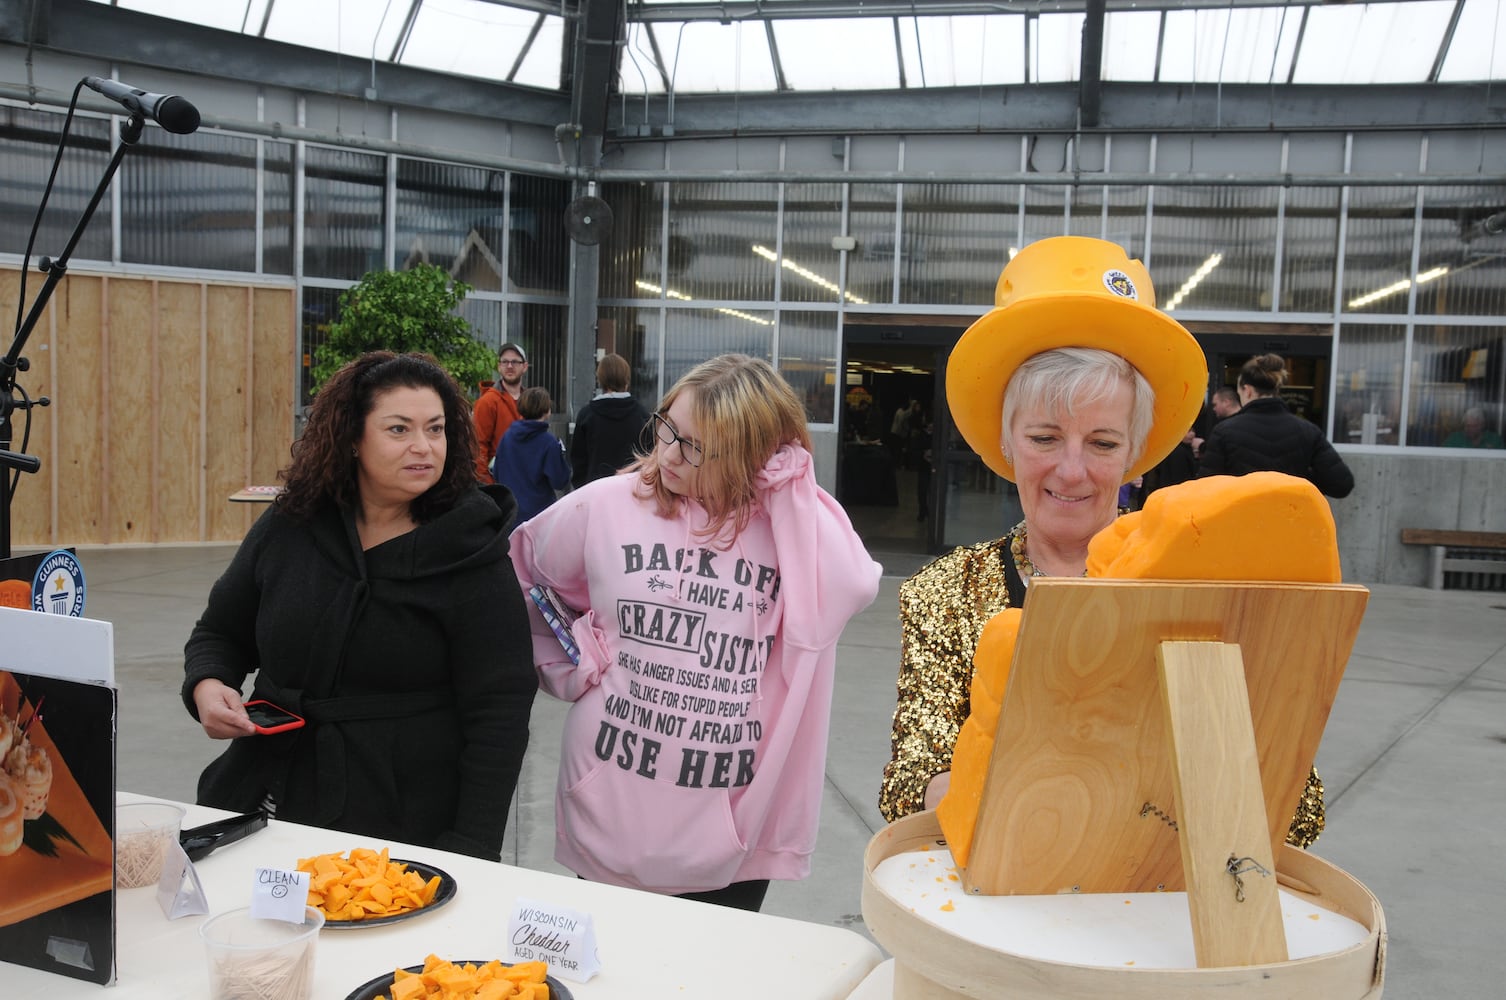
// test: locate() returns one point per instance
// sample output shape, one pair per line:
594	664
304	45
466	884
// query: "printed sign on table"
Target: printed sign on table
57	793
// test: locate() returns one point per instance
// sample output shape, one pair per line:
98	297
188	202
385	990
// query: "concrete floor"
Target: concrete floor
1414	756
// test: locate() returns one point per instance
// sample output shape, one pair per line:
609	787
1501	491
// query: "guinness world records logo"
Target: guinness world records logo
58	587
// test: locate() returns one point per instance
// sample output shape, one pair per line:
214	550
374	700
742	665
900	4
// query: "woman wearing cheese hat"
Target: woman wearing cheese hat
1073	384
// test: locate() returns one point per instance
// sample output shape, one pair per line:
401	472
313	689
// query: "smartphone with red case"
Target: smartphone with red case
269	718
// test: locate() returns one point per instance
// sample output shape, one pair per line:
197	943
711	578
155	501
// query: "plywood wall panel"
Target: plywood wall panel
130	346
227	431
168	396
177	376
274	323
78	407
31	510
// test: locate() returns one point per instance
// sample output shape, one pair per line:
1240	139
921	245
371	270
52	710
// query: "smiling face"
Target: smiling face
679	476
1069	466
402	450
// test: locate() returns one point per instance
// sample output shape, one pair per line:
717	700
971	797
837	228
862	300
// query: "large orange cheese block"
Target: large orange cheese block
958	809
1263	526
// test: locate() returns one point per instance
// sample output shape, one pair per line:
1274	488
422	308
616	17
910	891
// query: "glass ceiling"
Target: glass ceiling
683	47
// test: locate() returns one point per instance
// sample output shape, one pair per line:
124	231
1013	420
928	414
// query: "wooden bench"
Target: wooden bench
1442	558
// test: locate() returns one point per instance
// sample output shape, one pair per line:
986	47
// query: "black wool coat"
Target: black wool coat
411	661
606	432
1267	437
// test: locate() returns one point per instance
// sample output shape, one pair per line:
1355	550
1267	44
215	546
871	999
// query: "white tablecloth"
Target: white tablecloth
650	946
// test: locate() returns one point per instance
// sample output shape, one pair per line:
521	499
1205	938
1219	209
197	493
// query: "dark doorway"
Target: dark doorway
1307	350
916	487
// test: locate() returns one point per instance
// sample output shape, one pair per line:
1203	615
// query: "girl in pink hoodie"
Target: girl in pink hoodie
713	580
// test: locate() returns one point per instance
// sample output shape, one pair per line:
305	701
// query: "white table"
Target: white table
650	946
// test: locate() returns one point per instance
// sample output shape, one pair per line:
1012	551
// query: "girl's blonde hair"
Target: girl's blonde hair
743	411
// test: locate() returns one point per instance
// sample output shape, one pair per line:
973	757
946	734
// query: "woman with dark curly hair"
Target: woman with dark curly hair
376	599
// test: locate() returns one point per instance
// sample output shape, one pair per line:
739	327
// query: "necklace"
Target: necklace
1021	558
1022	562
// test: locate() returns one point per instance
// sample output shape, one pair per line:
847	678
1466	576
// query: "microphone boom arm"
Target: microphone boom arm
11	363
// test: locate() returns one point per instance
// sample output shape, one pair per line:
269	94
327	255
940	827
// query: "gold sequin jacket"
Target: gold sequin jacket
942	611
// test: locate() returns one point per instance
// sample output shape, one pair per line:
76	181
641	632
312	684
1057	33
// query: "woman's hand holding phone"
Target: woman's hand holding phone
220	710
268	718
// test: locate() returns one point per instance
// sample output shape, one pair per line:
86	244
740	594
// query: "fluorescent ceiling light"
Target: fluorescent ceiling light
807	274
1399	286
670	293
1196	278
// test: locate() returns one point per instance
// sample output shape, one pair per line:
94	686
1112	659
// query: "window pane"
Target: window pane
1458	387
962	51
451	216
1214	247
1369	359
1454	235
636	338
849	53
1130	45
693	335
811	268
1310	249
1045	213
538	248
277	208
1378	249
1116	214
343	213
1381	42
1480	19
957	238
700	57
723	222
30	141
807	360
1057	48
540	328
488	320
321	306
870	271
632	252
190	201
475	38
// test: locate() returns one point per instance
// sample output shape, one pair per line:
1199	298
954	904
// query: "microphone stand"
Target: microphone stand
12	362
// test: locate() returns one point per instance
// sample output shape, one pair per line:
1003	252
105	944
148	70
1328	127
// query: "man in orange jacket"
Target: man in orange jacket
498	406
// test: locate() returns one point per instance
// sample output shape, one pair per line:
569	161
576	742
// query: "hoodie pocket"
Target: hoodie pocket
659	834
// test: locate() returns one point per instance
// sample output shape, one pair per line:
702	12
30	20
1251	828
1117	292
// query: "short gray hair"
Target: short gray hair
1059	380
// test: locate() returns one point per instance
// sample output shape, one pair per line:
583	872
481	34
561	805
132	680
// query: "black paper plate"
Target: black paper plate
442	895
382	985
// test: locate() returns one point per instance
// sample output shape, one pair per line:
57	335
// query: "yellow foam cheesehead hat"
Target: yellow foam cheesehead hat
1073	291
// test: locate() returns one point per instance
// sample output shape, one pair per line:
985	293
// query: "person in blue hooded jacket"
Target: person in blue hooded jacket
531	461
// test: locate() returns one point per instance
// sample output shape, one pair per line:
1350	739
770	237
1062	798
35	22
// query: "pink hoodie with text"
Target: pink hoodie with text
694	754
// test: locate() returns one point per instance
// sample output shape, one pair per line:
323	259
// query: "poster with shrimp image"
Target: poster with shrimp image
57	794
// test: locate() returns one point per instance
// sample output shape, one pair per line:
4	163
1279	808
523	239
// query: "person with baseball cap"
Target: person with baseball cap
498	406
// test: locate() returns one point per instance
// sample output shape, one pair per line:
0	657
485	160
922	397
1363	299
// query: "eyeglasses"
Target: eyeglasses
689	450
511	361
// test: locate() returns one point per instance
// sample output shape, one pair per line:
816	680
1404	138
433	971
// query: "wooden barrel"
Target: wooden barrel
932	964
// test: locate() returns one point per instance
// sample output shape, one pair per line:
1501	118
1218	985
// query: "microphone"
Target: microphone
171	112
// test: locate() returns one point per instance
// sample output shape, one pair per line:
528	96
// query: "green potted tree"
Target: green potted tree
412	310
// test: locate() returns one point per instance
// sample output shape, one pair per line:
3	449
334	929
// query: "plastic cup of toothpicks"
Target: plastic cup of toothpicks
251	958
144	831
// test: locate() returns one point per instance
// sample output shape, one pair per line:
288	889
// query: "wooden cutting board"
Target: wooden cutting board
1079	794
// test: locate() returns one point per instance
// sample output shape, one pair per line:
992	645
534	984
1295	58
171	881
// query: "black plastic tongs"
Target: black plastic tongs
200	840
